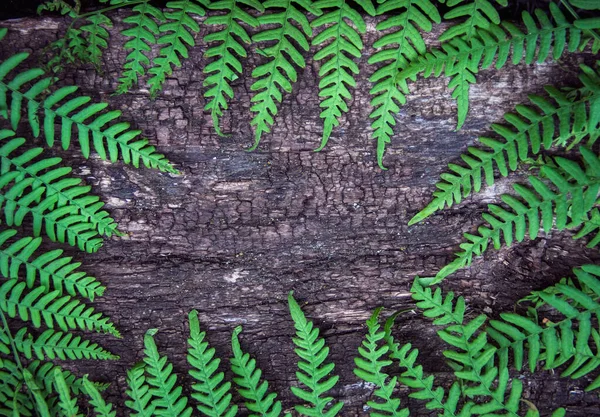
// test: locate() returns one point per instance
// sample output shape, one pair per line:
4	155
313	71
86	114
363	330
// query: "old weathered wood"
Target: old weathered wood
238	230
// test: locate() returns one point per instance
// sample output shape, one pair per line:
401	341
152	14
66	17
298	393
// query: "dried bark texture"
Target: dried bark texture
237	231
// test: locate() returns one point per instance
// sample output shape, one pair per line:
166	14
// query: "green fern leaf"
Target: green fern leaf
96	35
369	368
60	6
278	73
41	406
337	44
67	404
142	36
567	207
313	373
49	269
460	59
528	131
226	67
101	407
259	401
37	305
395	52
211	392
168	401
12	398
139	392
110	140
51	344
43	373
176	32
478	14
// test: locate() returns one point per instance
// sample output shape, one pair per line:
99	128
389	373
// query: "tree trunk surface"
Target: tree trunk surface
238	230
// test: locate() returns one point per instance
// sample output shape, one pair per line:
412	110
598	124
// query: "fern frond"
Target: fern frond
395	51
369	368
12	397
139	392
41	405
461	59
66	404
226	67
60	6
567	207
142	36
338	43
210	390
556	343
107	133
259	401
177	31
278	73
101	407
313	373
49	269
531	129
51	344
477	14
96	36
54	179
43	372
38	304
168	401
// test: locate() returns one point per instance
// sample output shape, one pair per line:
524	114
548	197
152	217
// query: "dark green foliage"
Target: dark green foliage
314	373
278	73
226	67
177	33
395	52
259	401
338	43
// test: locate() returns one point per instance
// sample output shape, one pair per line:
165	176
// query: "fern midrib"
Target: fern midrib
338	65
154	161
457	186
381	377
106	222
160	386
137	60
204	375
319	402
247	376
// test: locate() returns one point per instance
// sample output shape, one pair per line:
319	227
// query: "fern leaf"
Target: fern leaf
96	35
41	406
110	138
259	401
37	305
139	392
67	404
460	59
526	133
278	73
142	36
49	269
226	68
12	398
101	407
313	373
51	344
369	368
395	51
176	32
168	401
211	392
43	372
60	6
55	181
338	43
478	14
568	206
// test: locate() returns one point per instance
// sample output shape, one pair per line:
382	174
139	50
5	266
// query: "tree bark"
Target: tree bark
238	230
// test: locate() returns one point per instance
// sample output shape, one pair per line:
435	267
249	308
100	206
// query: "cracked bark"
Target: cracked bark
237	231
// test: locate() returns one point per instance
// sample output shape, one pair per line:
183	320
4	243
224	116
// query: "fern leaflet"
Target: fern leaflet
178	30
529	130
369	368
66	403
567	207
139	392
478	14
278	73
225	69
167	400
210	390
142	37
101	407
396	50
337	72
312	352
96	35
259	401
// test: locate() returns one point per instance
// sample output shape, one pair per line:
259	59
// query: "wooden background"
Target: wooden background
238	230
